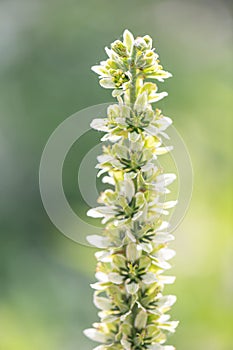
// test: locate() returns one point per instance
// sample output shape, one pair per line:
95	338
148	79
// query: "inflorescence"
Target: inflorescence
134	253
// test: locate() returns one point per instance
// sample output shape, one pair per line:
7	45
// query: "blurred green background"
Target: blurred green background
46	50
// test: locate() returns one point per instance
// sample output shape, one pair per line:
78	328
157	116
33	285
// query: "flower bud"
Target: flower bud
119	48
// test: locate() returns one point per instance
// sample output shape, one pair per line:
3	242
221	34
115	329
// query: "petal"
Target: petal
151	130
132	252
163	150
99	124
169	326
99	241
104	256
94	213
168	205
128	40
141	102
166	179
95	335
107	83
167	279
102	303
99	70
115	277
157	97
98	286
161	347
159	75
166	301
163	237
166	253
149	278
132	287
141	320
119	261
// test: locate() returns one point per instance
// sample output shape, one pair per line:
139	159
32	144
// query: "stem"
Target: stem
133	71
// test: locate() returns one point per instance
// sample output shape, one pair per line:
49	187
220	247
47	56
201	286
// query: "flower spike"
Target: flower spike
134	242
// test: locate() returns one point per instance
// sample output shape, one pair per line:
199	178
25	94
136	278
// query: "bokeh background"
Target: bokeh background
46	50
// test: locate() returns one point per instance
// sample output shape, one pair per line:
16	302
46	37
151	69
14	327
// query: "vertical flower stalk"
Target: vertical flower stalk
134	253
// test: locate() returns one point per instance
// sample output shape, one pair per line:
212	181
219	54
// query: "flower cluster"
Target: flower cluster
134	242
130	60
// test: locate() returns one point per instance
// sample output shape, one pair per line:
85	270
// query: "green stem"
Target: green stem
133	72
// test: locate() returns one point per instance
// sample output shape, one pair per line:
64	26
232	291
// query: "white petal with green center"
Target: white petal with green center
167	301
95	335
164	225
167	279
100	70
149	278
168	205
94	213
161	347
165	254
157	97
134	137
163	150
102	303
115	277
100	347
98	285
128	40
108	180
169	326
101	276
126	345
141	102
104	256
129	189
132	252
132	287
99	124
107	83
166	179
119	261
151	130
99	241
